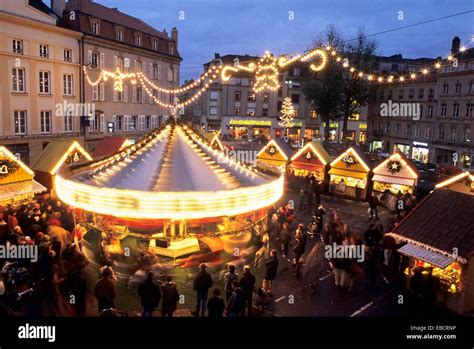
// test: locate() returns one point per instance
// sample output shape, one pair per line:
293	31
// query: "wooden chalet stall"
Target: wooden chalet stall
349	174
274	156
16	180
439	239
55	155
109	146
312	159
396	174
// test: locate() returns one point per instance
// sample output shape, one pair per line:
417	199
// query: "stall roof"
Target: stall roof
9	191
317	148
364	161
462	183
55	153
108	146
407	170
442	222
284	148
431	257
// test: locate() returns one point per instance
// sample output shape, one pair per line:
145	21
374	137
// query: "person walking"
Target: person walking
302	198
236	304
215	305
230	277
299	248
150	294
202	284
271	265
247	283
373	206
105	291
170	297
318	190
285	238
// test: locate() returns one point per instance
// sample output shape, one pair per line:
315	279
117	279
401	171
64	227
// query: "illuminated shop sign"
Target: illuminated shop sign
363	126
250	122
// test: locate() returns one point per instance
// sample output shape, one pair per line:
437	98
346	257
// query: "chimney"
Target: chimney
58	7
216	55
174	36
456	44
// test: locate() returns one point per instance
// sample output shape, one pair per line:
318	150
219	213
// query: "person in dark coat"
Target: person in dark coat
271	265
372	236
215	305
247	283
170	297
202	284
236	304
150	294
299	248
105	291
373	205
230	277
285	237
318	190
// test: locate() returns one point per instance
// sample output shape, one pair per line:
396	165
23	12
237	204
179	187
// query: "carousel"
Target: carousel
173	190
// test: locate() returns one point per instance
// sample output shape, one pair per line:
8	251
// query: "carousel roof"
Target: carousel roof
175	168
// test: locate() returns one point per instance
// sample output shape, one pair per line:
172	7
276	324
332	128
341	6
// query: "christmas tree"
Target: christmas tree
287	112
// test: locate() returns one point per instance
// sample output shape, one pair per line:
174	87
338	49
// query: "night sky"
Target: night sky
253	26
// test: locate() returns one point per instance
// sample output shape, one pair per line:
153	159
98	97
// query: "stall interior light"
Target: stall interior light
306	147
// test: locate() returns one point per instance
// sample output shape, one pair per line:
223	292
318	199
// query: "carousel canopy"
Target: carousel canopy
170	174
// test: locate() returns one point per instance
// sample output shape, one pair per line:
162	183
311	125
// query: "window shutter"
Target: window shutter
114	120
115	95
102	117
102	60
150	73
143	96
159	72
125	93
102	91
134	95
89	56
94	93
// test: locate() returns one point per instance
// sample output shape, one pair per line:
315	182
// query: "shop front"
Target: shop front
311	160
274	156
247	128
392	176
376	146
349	174
404	148
420	152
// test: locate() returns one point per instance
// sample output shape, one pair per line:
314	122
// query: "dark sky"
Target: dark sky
253	26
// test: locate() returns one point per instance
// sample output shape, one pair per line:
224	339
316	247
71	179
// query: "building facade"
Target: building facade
39	70
440	120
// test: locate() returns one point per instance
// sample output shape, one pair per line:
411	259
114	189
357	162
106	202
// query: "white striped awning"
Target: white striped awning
437	259
393	180
10	191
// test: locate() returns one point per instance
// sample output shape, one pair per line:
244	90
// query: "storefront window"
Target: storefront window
420	154
362	137
376	146
466	160
404	148
449	278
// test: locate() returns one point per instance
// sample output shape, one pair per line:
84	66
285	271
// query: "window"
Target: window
471	87
68	123
147	122
443	109
19	120
213	111
44	82
421	93
265	98
394	67
295	99
119	34
441	132
95	92
408	131
411	93
138	39
429	112
250	111
296	71
467	135
457	88
154	44
121	96
431	93
133	123
17	46
445	88
237	96
67	55
94	60
95	27
154	71
456	109
427	132
250	97
67	84
159	72
44	51
387	128
399	127
453	134
45	121
119	63
264	111
171	49
417	131
141	122
469	109
313	114
126	124
18	79
118	122
154	122
380	126
97	124
400	94
102	91
170	76
138	94
213	96
237	111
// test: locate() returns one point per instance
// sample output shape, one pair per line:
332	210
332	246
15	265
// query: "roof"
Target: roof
437	259
442	222
13	170
316	148
108	146
364	164
56	153
110	18
463	183
406	173
12	190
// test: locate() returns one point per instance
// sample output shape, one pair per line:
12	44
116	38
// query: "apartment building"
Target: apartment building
39	70
445	101
112	39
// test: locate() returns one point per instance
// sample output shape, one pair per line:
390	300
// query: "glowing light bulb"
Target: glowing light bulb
462	49
412	75
437	65
425	71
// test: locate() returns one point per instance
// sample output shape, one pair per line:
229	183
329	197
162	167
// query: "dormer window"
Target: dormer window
154	44
95	27
171	49
138	40
119	34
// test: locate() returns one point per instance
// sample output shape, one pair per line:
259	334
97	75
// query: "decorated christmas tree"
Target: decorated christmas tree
287	113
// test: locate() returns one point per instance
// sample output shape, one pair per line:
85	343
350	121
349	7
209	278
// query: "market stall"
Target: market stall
214	141
56	154
274	156
16	180
438	238
349	174
394	175
311	160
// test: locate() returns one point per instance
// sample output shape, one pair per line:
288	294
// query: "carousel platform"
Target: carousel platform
174	249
